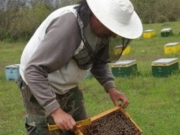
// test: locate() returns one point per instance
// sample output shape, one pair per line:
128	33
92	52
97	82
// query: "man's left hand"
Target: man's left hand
118	96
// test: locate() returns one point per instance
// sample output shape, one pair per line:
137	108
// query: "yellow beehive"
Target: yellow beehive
173	47
149	33
178	47
153	33
127	50
111	122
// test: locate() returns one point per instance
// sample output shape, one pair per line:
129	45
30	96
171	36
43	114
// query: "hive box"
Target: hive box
149	33
127	50
173	47
118	50
164	67
12	72
88	75
166	32
124	68
114	121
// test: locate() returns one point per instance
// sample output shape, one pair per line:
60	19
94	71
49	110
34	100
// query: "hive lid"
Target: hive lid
165	61
13	66
172	44
149	30
166	29
123	63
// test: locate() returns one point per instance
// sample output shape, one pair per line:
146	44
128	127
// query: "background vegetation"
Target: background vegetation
157	11
19	19
154	102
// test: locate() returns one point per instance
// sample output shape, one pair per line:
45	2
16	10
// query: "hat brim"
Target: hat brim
131	30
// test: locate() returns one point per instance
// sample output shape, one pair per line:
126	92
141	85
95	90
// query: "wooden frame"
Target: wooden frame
111	122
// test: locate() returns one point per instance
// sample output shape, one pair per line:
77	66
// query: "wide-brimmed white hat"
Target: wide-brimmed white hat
118	16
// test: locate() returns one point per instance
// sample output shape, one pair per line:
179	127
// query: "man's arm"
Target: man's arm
104	76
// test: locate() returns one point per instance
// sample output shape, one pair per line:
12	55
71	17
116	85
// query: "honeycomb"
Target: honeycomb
113	123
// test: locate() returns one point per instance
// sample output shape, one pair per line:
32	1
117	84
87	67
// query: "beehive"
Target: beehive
149	33
166	32
88	75
118	50
127	50
164	67
12	72
173	47
124	68
114	121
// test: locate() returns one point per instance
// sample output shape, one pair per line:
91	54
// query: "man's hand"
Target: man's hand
63	120
118	96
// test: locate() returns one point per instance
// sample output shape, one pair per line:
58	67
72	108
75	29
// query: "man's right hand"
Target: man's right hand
63	119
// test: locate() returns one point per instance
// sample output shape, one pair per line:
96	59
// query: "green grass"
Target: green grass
154	102
11	107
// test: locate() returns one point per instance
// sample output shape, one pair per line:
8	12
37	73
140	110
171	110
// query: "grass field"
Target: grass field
154	102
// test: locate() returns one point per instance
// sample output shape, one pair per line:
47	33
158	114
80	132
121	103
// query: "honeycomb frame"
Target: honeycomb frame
115	121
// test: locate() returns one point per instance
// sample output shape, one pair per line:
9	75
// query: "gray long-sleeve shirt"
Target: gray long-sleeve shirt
47	65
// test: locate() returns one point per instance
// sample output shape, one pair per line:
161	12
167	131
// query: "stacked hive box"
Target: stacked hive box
166	32
149	33
173	47
124	68
164	67
114	121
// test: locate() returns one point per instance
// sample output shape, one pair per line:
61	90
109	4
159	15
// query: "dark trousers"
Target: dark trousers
36	119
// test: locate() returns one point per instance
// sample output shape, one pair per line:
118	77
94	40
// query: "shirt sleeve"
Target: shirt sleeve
56	49
103	75
101	70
